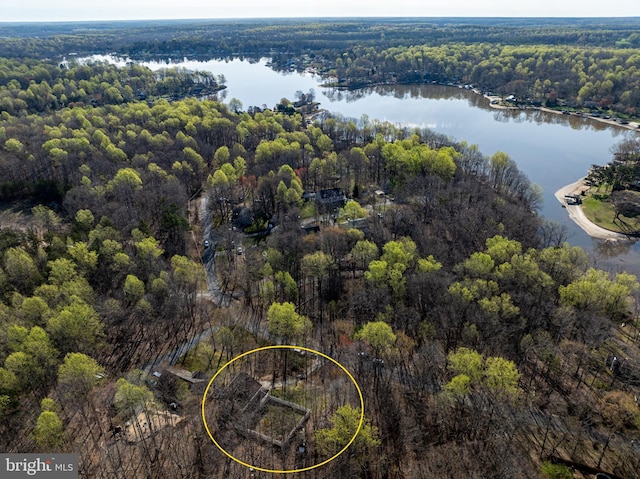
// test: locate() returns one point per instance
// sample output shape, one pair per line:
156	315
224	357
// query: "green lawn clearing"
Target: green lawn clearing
602	213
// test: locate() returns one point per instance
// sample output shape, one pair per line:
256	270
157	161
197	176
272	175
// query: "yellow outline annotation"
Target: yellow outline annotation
286	471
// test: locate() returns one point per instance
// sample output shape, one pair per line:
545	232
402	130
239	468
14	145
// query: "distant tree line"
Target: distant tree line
583	62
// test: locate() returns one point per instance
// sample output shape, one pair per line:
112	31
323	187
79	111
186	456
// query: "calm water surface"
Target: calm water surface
553	150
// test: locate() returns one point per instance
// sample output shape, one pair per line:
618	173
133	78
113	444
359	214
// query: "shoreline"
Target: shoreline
578	217
632	125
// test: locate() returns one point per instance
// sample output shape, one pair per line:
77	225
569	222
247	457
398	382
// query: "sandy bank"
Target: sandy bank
578	216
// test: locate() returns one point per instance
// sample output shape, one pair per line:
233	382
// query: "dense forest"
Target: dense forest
147	227
592	63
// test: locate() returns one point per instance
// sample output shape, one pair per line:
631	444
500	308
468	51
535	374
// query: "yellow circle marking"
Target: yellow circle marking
286	471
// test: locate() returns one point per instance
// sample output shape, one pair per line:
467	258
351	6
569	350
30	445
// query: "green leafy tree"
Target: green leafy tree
377	272
502	249
148	251
595	291
227	339
85	219
378	335
130	398
390	270
267	293
48	404
235	105
133	288
221	156
61	271
230	172
523	271
496	374
479	265
13	146
363	252
344	424
76	328
219	180
351	211
49	432
285	323
8	383
467	362
85	259
188	277
499	306
399	252
33	359
77	375
563	264
16	336
501	375
20	269
428	265
324	143
124	187
286	288
27	373
459	386
240	166
125	179
38	345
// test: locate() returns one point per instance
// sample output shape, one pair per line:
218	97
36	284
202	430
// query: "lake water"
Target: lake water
552	150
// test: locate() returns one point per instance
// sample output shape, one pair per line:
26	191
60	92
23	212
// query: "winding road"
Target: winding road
208	257
214	291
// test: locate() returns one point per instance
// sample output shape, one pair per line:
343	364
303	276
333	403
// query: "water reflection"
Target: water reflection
501	116
475	100
609	249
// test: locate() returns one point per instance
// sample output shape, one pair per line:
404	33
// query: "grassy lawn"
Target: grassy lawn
602	213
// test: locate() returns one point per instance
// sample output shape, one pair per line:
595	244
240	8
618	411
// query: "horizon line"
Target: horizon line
306	18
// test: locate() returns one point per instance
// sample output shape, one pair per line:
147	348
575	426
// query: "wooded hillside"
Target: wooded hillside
485	346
